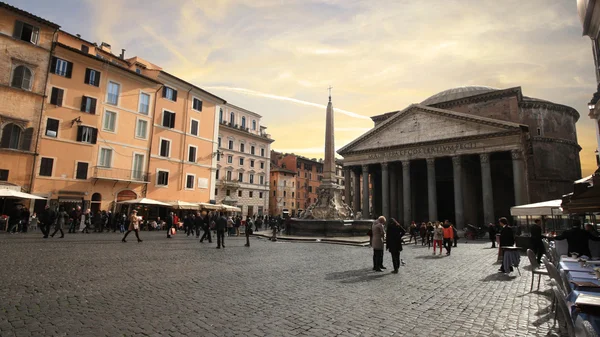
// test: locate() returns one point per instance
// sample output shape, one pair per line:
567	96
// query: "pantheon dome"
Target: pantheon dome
456	93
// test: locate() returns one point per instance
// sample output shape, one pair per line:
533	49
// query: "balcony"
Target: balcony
114	174
232	184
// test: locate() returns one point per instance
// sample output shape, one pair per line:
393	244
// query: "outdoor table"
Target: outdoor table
582	275
512	257
587	306
573	266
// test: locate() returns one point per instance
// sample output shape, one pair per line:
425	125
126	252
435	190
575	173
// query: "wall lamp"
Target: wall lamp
76	120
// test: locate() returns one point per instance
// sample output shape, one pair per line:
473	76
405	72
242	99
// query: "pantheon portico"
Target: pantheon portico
466	155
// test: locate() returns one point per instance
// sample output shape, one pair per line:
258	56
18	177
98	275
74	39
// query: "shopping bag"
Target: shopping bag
173	231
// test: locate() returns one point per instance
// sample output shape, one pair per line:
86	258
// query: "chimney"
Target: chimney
122	56
105	46
78	35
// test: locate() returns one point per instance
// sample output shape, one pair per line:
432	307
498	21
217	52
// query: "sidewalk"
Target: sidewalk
349	240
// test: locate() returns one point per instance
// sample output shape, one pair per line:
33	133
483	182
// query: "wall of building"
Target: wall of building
283	193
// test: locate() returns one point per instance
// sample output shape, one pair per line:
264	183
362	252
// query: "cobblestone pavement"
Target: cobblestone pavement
95	285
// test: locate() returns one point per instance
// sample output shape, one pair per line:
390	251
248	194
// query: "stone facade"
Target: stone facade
243	163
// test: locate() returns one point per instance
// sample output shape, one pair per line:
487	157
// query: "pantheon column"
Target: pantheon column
519	179
486	187
365	192
356	199
393	193
458	192
406	192
347	187
431	189
385	190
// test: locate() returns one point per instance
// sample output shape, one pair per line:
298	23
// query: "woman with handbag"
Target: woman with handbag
134	225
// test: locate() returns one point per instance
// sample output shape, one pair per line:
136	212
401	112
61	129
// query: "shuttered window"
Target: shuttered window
194	127
189	181
52	127
165	147
3	175
56	96
88	104
86	134
26	32
46	165
82	171
168	119
92	77
170	94
197	104
162	178
61	67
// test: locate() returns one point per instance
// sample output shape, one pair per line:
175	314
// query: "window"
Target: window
85	49
252	149
138	70
243	122
112	96
242	147
228	176
46	167
309	189
218	155
241	161
61	67
250	194
217	175
92	77
141	129
138	166
240	193
230	145
22	78
82	171
196	104
251	178
109	121
3	175
194	127
192	154
274	193
219	140
220	115
144	104
285	193
88	104
539	131
86	134
262	164
260	194
251	163
170	94
227	193
229	159
162	178
262	152
292	194
168	120
253	125
52	127
165	148
231	118
240	177
13	137
56	96
189	181
262	180
26	32
216	191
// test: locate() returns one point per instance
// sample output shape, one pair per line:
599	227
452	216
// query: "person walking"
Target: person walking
207	222
47	219
395	232
430	230
492	234
61	219
134	225
248	230
221	225
377	243
438	237
448	237
423	233
536	240
198	221
170	220
75	219
413	230
85	222
188	224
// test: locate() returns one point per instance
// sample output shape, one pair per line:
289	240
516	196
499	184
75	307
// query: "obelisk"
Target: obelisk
329	166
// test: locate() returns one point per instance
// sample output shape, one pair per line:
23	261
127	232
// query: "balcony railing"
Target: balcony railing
109	173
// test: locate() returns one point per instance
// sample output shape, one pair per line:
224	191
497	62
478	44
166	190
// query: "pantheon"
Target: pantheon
466	154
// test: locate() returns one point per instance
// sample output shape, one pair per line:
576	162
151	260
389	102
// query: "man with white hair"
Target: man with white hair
377	243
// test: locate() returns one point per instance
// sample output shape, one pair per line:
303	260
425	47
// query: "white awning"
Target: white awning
205	205
145	201
228	208
9	193
178	204
552	207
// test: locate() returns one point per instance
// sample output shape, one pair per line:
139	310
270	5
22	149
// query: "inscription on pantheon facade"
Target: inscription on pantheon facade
436	150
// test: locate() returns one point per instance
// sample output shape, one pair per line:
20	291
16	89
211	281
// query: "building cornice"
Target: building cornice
245	133
28	15
229	105
556	140
480	97
535	104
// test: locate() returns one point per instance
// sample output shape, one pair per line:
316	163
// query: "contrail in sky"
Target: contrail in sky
283	98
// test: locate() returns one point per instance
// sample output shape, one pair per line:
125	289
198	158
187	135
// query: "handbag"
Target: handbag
173	231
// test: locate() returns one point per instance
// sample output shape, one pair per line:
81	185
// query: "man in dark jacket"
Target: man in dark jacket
169	224
47	218
206	222
507	238
577	239
221	225
492	234
395	232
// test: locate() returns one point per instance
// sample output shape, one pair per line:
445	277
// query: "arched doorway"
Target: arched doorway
96	202
124	196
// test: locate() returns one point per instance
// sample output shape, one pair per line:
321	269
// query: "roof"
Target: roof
106	61
223	101
29	15
457	93
280	169
244	110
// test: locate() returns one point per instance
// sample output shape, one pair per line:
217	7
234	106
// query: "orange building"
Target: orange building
25	48
283	191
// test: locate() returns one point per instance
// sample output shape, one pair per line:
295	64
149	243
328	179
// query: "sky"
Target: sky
278	57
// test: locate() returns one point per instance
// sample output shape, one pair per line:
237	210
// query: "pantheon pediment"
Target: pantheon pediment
418	124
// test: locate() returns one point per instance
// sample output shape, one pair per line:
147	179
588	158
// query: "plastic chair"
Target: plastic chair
563	308
535	269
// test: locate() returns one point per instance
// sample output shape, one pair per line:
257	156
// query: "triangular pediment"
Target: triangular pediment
419	124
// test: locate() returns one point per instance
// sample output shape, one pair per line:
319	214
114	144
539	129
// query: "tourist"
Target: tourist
423	233
237	224
377	243
206	226
221	224
395	232
577	239
438	237
248	230
33	221
430	230
25	216
170	222
47	219
413	232
188	224
85	221
258	223
590	228
448	237
98	222
61	219
507	239
134	225
492	234
75	218
536	240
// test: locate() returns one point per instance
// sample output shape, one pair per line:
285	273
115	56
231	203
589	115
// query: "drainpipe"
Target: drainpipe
150	138
183	147
39	129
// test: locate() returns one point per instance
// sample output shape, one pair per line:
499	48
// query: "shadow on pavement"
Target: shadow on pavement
498	277
355	276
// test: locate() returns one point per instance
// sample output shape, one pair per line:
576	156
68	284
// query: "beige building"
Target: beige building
243	161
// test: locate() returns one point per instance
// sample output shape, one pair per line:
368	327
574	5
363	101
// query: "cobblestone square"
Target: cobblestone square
95	285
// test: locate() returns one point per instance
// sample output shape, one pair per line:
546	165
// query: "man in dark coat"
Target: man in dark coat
507	238
221	225
536	240
492	234
395	232
47	218
169	224
577	239
206	221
